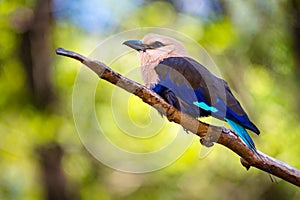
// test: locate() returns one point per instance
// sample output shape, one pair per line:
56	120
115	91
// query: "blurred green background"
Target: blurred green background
255	44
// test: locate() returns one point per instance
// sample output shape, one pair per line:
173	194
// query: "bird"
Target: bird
168	70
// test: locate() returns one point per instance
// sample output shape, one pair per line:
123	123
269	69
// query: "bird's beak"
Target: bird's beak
136	44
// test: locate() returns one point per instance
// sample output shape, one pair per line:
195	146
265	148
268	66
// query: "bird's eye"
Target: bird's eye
156	44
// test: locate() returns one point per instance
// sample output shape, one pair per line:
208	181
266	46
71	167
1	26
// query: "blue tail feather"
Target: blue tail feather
241	131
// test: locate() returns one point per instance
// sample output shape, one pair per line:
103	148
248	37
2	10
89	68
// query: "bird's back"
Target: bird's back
183	81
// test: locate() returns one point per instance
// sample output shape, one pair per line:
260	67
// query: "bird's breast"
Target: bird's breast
149	75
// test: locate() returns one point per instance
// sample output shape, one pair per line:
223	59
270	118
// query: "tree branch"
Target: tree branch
207	133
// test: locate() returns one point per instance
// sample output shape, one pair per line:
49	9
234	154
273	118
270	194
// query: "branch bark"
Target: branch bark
208	133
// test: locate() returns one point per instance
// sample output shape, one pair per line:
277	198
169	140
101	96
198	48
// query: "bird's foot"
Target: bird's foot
186	130
210	138
206	142
161	115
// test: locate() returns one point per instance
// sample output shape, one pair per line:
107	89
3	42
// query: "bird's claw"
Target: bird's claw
186	130
210	138
206	142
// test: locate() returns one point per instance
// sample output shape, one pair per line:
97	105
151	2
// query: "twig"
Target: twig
207	133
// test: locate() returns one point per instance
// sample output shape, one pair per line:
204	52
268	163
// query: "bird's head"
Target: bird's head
153	48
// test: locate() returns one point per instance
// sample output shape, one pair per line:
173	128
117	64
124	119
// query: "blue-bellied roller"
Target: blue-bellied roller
184	83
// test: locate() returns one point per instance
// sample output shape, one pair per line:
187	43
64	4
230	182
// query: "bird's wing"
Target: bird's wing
191	82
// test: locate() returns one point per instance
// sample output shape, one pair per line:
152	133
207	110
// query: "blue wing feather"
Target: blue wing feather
192	89
241	131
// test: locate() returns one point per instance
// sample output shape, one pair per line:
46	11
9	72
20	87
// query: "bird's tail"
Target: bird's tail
241	131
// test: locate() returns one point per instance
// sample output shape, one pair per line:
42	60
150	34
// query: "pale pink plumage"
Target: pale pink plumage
151	57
